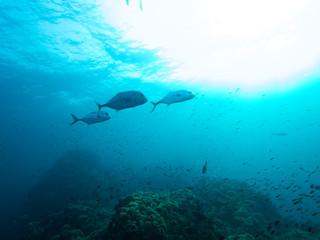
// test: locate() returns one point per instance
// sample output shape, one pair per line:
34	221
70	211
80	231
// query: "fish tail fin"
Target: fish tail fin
154	106
75	119
99	106
127	2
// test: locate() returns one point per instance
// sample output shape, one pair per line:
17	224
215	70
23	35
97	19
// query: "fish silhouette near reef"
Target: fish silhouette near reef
124	100
205	167
91	118
175	97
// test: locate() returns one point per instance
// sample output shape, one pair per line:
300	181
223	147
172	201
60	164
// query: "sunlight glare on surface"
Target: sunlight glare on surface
249	44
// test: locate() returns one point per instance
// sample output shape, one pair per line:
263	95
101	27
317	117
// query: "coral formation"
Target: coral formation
85	220
176	215
235	207
211	210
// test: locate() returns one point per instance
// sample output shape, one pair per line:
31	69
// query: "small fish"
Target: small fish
124	100
205	166
174	97
280	134
91	118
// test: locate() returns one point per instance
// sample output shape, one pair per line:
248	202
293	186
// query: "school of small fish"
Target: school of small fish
131	99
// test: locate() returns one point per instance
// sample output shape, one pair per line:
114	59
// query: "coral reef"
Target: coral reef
176	215
85	220
211	210
235	207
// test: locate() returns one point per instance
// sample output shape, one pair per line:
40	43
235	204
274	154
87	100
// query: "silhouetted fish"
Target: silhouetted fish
175	97
94	117
205	166
280	134
125	100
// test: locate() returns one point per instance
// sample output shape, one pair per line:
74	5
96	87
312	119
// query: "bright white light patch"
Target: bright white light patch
245	43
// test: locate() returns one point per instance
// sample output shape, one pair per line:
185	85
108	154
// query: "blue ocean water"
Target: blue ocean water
59	57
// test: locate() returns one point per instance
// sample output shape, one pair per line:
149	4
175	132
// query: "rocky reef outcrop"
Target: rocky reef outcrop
76	176
159	216
85	220
211	210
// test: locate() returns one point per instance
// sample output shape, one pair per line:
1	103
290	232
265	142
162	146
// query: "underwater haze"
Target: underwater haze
226	146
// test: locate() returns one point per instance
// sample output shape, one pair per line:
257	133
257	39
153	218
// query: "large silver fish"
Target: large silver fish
124	100
175	97
91	118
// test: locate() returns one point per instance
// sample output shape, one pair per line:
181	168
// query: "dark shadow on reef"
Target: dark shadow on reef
77	176
211	210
